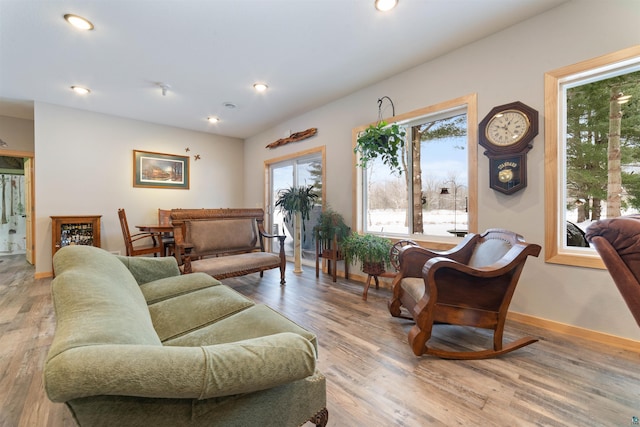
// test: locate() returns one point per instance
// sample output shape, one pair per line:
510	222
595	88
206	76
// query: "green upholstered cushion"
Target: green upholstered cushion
97	301
169	287
259	320
179	315
147	269
180	372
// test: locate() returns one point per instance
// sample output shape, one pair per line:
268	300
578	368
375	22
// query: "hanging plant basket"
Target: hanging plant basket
382	140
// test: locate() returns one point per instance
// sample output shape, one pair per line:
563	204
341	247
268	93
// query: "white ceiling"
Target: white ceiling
309	52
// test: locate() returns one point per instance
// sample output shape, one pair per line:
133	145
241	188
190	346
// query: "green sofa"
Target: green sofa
138	344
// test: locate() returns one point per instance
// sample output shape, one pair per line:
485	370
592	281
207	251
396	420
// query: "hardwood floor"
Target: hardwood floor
373	378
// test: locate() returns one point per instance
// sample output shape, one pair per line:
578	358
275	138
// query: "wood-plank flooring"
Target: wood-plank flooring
373	378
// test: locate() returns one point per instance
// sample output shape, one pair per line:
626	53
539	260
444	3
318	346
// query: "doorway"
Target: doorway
16	230
299	169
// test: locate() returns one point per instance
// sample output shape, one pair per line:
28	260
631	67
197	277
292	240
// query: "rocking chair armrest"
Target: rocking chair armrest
515	257
435	264
412	258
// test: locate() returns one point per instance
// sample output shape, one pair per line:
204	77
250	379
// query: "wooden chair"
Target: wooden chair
617	240
164	218
469	285
156	246
329	249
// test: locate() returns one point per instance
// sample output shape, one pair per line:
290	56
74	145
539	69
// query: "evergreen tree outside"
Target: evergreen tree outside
603	147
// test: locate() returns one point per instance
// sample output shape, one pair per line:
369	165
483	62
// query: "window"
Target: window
435	195
592	151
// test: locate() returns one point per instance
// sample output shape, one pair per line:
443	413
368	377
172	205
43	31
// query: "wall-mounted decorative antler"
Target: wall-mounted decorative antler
294	137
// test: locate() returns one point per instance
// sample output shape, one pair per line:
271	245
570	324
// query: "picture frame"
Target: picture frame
159	170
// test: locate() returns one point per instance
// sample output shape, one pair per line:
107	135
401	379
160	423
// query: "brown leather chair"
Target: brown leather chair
154	240
469	285
617	240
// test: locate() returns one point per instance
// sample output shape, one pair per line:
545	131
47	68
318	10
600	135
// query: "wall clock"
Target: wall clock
507	133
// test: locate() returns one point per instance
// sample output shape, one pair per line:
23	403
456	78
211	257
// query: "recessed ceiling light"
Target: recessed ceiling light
385	5
260	87
80	90
78	22
213	119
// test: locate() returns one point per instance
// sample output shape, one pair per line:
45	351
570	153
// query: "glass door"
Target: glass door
299	172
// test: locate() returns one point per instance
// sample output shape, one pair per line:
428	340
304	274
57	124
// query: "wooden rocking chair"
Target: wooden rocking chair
469	285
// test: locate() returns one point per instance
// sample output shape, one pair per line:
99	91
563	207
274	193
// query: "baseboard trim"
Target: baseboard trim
575	331
44	275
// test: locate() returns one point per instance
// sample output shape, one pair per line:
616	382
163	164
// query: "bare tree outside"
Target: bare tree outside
413	202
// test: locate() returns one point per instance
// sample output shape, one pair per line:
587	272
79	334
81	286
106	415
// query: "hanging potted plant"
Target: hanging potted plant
381	140
371	250
296	204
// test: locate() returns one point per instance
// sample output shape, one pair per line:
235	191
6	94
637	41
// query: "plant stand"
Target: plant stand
297	244
374	270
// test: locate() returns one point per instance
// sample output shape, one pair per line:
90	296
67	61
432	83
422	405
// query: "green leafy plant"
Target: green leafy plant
381	140
330	224
294	200
367	248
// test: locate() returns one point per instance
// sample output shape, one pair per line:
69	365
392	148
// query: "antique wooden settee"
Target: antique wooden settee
224	242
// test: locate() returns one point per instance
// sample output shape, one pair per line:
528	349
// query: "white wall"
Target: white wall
84	166
507	66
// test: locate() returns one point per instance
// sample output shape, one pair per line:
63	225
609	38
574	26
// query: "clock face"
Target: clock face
507	128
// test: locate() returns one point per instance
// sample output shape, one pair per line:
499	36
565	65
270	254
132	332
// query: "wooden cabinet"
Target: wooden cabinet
74	230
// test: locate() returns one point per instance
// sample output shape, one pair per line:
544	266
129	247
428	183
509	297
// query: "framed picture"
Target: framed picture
157	170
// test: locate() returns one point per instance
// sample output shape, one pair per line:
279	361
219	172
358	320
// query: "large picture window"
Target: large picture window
435	194
592	151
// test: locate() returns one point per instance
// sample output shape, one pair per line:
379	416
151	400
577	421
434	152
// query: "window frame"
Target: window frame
555	167
469	102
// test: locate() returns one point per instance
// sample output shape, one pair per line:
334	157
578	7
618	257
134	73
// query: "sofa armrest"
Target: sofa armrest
147	269
179	372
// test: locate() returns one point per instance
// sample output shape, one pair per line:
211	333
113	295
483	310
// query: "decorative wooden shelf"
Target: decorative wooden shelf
74	230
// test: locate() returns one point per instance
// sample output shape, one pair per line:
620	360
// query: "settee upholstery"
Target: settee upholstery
136	343
225	242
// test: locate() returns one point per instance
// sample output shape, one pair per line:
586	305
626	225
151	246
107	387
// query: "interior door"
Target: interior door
28	204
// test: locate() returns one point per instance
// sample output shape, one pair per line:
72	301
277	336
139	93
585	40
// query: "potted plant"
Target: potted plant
331	224
381	140
371	250
296	204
